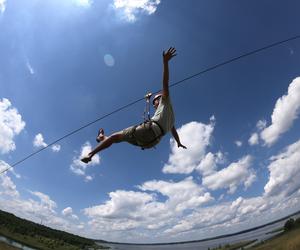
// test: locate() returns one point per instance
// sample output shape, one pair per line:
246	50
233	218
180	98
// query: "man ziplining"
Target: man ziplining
149	133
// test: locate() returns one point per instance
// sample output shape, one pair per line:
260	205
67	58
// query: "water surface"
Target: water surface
258	234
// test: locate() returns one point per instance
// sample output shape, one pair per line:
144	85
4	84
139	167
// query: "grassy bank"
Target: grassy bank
4	246
233	246
41	237
287	241
41	242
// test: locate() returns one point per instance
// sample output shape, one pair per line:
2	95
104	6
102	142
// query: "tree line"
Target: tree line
17	226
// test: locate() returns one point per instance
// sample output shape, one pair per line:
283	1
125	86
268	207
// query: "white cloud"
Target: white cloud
7	187
181	195
11	124
45	200
284	172
126	210
41	210
131	8
238	143
38	212
239	214
68	212
122	204
208	164
261	124
29	67
78	167
286	110
39	141
196	136
109	60
88	178
254	139
83	3
139	216
56	148
237	173
2	6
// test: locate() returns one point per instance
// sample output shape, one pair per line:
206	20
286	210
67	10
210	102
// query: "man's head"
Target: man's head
156	99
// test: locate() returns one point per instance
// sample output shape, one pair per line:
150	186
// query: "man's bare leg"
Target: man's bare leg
105	143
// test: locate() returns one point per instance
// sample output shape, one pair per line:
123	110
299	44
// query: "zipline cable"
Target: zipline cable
138	100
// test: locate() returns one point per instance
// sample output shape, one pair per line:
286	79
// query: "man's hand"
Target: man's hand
169	54
179	145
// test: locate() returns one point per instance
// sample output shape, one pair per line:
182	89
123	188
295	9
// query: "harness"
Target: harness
148	124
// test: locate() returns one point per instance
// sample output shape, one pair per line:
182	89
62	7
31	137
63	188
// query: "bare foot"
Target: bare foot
100	137
86	159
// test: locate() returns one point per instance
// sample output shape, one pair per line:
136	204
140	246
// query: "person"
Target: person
149	133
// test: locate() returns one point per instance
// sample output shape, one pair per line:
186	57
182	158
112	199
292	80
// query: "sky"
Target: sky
65	63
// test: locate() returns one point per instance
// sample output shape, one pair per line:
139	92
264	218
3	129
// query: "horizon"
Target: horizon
182	242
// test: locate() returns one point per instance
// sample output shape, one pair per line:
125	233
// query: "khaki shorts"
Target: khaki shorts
143	135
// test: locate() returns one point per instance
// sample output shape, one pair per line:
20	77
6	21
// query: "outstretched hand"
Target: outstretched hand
167	56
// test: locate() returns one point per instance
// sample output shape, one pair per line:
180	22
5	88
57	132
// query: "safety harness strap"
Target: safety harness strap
147	121
156	138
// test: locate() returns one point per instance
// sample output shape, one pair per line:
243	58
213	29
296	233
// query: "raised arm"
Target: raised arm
167	56
176	137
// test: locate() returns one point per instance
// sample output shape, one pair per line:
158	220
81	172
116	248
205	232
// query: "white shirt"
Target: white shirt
164	114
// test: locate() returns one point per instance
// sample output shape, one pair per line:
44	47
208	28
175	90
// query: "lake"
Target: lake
14	243
259	234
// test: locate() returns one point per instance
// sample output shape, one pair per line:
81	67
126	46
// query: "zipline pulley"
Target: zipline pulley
147	107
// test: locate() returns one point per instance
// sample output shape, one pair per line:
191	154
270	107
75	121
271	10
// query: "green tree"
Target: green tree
297	222
289	224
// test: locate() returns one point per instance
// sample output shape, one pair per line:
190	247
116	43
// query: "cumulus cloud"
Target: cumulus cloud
83	3
182	213
11	124
208	164
56	148
196	136
261	124
2	6
39	142
285	112
242	213
42	209
131	8
238	143
78	167
45	200
122	204
254	139
7	187
284	172
126	210
68	212
88	178
181	195
237	173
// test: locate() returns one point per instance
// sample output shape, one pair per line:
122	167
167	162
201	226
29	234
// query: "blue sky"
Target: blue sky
66	63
